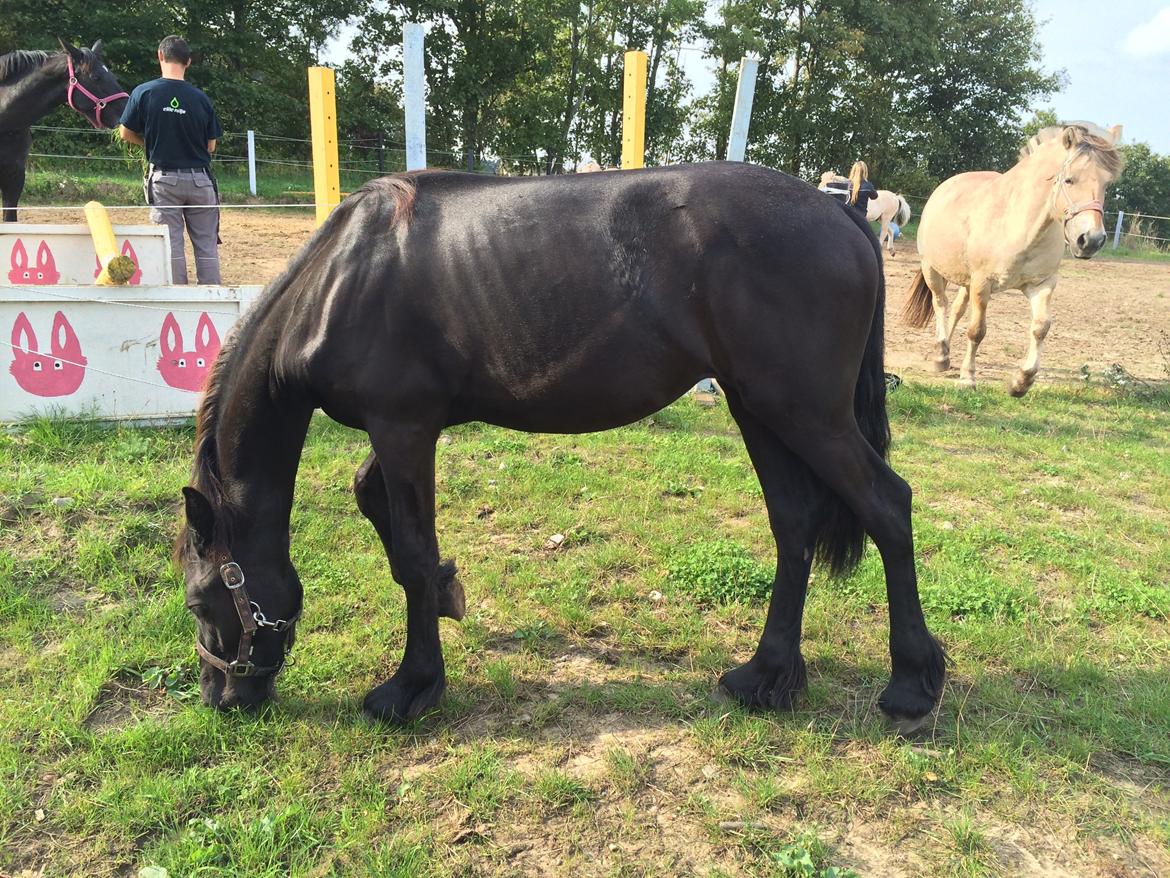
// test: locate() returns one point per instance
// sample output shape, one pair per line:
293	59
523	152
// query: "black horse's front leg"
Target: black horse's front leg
369	487
409	486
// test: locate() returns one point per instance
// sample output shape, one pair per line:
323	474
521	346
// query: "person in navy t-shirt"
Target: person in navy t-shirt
176	124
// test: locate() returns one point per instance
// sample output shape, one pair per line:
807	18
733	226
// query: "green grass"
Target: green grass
579	734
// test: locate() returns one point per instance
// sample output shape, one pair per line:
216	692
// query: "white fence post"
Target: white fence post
1117	231
742	114
414	88
251	161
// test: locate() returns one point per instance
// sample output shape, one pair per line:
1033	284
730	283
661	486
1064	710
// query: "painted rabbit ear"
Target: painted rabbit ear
64	343
23	327
19	256
45	261
171	338
128	250
206	338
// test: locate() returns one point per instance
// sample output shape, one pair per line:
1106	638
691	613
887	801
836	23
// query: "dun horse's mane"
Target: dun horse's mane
400	191
16	64
1091	140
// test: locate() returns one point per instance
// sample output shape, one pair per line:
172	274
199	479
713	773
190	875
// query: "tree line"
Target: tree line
920	89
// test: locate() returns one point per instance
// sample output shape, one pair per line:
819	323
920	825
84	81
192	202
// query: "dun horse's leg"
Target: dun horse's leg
1038	297
958	309
776	673
419	682
881	501
980	294
938	290
887	235
369	488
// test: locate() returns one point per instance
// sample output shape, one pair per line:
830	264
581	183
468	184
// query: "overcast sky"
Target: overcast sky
1116	56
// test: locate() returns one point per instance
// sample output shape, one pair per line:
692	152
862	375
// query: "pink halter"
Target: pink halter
99	104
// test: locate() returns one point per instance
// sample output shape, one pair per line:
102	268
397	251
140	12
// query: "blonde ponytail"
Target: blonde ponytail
858	173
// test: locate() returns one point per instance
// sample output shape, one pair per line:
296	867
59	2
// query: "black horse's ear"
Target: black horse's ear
200	516
75	53
97	48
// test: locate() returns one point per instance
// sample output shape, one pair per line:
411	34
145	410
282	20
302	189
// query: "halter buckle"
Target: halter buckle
241	669
232	575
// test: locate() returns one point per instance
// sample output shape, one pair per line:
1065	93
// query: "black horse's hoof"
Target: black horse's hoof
912	697
452	602
762	687
398	701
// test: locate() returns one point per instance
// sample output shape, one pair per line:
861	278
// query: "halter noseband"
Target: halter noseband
99	104
1072	210
252	619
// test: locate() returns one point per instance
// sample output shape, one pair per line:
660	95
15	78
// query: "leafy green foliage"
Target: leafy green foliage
720	572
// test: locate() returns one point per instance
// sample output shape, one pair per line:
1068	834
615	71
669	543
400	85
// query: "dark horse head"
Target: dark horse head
94	86
32	85
240	583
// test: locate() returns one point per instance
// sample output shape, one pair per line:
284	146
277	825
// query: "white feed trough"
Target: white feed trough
74	349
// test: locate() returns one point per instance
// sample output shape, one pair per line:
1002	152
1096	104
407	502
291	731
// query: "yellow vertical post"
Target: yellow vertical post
323	116
634	111
116	269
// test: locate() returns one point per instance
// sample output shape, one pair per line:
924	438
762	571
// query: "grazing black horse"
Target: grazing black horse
32	85
553	304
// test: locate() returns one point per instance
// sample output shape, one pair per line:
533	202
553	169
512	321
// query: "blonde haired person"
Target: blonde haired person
860	189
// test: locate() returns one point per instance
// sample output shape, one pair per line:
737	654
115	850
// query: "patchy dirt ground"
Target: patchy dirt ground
1105	311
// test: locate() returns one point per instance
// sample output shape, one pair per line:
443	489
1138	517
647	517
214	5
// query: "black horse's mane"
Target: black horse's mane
399	191
16	64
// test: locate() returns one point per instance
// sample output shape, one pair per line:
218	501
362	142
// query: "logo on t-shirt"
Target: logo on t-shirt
174	107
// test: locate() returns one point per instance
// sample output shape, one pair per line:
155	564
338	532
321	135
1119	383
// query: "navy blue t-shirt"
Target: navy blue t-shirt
176	120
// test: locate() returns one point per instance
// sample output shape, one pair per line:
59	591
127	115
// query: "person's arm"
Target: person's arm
130	136
211	145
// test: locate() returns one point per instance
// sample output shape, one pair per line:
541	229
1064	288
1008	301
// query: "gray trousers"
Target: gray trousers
187	196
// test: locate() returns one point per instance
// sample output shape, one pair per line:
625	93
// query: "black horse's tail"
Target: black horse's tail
841	539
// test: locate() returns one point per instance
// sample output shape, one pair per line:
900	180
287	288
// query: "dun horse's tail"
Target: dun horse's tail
841	538
904	212
918	309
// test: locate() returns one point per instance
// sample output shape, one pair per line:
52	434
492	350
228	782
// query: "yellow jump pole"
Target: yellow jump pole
634	111
323	115
116	268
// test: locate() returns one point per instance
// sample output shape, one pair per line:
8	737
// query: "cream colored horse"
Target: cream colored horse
989	232
884	209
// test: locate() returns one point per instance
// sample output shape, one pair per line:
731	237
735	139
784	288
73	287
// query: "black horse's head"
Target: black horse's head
245	596
94	77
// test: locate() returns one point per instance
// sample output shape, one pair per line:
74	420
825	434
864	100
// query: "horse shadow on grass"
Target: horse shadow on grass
1115	722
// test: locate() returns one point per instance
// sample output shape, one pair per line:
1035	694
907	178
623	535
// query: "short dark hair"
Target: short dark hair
175	49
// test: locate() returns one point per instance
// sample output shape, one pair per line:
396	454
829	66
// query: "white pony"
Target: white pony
888	207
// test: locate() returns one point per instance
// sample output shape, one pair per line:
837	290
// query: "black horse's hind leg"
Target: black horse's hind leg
369	487
419	682
881	501
14	148
776	673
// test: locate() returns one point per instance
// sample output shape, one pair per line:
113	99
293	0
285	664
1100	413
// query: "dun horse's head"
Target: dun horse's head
1085	160
246	599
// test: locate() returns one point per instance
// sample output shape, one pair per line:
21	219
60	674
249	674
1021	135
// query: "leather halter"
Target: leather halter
99	104
1072	210
252	619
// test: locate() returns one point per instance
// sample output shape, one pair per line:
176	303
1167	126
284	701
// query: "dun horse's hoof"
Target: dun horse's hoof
966	383
941	364
759	687
400	700
1021	385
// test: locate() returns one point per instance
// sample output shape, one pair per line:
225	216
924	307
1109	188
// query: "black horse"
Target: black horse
555	304
32	85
